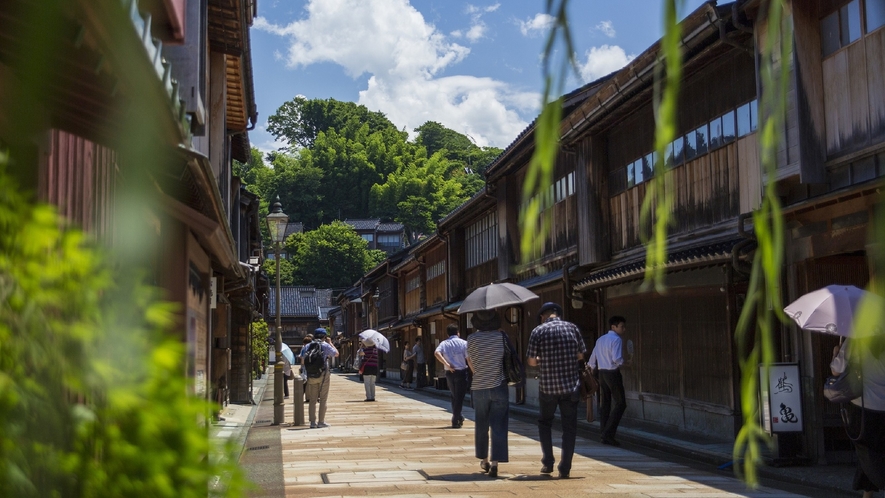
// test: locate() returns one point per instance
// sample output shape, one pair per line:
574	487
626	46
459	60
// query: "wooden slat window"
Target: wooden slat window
482	240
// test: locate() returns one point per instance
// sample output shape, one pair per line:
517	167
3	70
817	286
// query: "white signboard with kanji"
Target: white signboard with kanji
782	398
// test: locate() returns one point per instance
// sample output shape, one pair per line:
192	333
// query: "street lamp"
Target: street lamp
276	225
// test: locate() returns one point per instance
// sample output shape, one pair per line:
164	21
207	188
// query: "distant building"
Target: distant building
388	237
302	310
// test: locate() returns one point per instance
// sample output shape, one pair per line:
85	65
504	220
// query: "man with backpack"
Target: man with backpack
314	361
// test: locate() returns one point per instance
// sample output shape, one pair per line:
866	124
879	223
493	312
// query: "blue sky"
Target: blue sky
474	67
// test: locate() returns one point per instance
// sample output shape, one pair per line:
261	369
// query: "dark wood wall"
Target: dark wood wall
854	99
679	341
412	301
435	290
80	179
713	187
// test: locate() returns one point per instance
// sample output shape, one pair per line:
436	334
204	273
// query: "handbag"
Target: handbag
844	387
589	384
404	365
848	385
512	366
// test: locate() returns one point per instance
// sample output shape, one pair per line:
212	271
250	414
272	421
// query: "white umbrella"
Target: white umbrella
372	336
287	352
493	296
832	310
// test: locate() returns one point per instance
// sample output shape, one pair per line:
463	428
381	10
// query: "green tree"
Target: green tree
286	271
333	255
300	185
418	194
457	147
251	171
300	121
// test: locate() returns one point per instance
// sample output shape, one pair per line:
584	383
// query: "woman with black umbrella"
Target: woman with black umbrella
491	398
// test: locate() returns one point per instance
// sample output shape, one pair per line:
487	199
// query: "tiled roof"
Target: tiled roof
324	297
295	301
324	311
390	227
695	256
294	227
363	224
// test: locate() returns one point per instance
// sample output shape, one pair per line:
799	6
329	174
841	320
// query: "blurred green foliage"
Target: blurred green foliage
755	330
260	344
93	397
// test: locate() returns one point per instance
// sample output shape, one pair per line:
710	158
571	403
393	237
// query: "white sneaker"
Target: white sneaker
322	425
313	425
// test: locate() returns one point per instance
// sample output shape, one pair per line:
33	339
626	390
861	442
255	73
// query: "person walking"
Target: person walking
407	367
318	387
491	399
556	347
287	374
305	342
452	353
866	414
608	357
421	363
369	367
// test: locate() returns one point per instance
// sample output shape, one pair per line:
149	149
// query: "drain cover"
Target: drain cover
370	476
257	448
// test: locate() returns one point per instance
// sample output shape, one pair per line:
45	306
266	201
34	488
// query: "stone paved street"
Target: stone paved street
402	445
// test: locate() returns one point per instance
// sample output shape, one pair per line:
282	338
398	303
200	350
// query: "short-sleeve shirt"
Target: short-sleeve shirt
557	344
607	352
486	352
418	351
455	351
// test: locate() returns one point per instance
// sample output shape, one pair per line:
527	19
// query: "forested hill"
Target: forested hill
344	161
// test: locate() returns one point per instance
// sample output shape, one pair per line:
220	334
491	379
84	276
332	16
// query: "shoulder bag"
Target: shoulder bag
845	387
589	384
513	371
848	385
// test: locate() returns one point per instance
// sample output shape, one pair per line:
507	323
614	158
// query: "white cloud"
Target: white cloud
606	28
478	28
476	31
404	61
266	143
539	24
603	60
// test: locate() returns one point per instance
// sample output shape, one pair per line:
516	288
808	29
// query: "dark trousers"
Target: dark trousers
612	404
568	411
870	447
285	385
457	382
422	375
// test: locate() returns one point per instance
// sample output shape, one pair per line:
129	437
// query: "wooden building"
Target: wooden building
103	102
830	173
685	374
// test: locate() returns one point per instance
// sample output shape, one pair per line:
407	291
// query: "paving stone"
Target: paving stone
403	446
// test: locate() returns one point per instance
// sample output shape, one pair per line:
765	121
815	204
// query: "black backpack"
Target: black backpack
313	360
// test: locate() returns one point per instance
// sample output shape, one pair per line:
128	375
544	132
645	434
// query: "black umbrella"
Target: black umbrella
496	296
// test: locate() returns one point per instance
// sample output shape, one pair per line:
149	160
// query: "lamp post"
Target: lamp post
276	225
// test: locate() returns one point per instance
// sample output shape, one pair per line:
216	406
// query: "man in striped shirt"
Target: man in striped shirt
556	346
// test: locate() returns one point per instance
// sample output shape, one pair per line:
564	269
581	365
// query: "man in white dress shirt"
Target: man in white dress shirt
608	357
